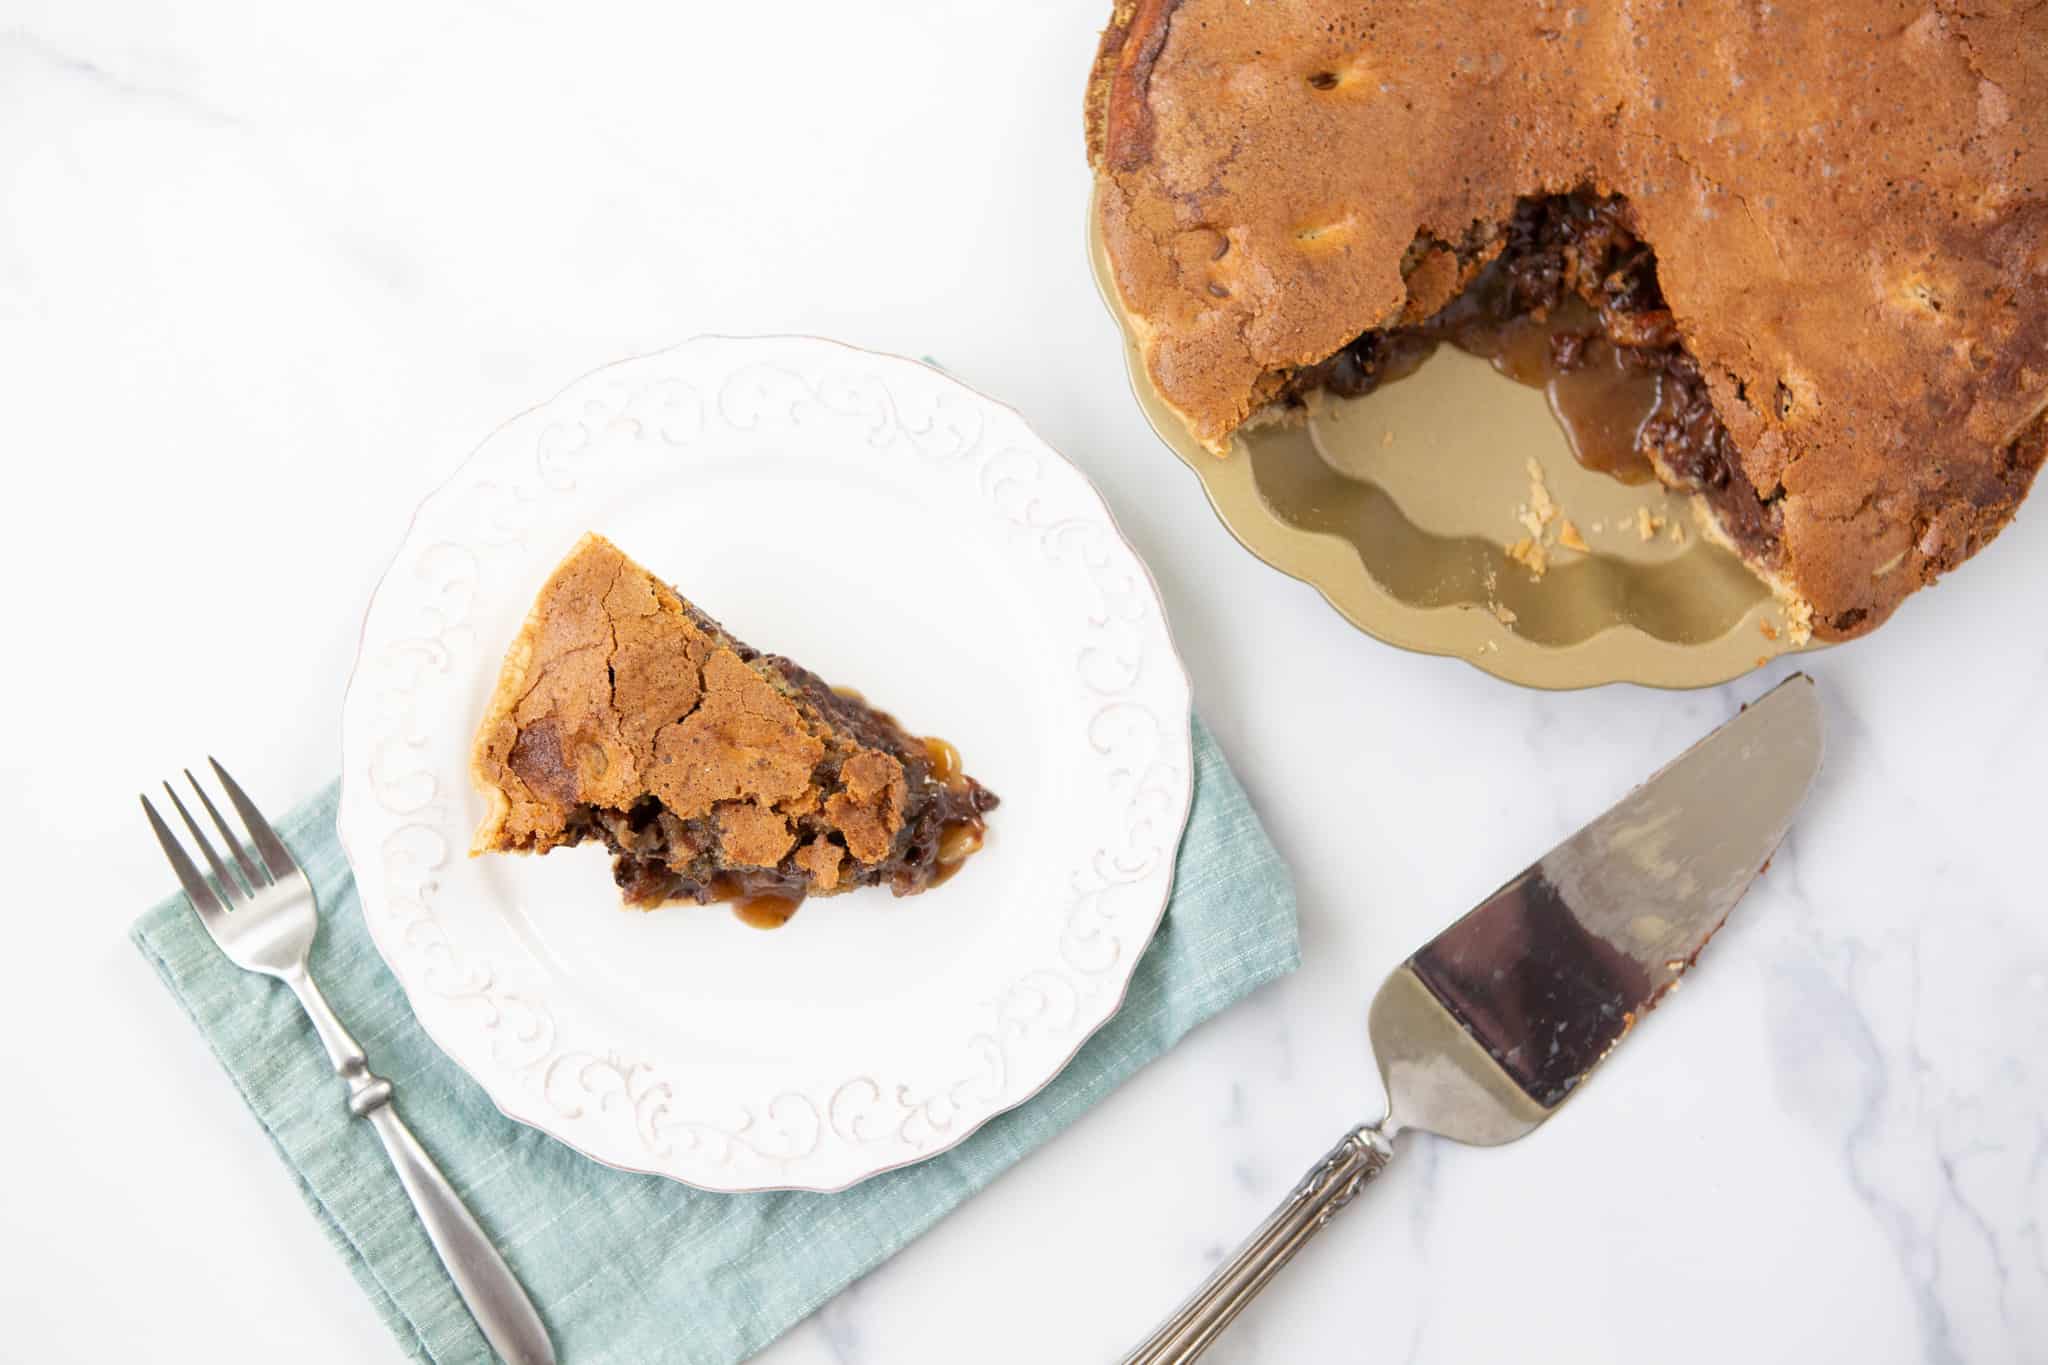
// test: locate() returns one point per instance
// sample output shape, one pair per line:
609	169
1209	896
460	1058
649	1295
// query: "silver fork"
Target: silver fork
262	915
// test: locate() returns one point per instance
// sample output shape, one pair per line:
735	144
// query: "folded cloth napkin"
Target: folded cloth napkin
634	1268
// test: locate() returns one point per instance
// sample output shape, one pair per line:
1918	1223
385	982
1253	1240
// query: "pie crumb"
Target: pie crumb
1677	533
1541	504
1799	622
1504	614
1530	555
1569	537
1648	523
1770	631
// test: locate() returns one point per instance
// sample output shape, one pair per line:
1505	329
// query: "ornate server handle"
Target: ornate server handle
1334	1182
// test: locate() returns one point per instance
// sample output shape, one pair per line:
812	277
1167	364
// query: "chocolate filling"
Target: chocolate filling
1566	290
657	857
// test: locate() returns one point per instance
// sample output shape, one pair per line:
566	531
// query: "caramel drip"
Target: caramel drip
765	912
1599	398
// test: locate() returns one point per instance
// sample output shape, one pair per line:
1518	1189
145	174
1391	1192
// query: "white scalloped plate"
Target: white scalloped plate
897	532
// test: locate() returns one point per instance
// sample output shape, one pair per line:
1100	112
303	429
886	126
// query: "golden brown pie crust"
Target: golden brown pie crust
622	713
1848	204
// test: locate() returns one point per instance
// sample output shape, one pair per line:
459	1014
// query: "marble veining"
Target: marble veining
258	261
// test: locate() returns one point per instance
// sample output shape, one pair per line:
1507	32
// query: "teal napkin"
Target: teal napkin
637	1269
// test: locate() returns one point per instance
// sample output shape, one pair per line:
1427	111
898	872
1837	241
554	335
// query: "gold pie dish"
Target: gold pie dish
1413	511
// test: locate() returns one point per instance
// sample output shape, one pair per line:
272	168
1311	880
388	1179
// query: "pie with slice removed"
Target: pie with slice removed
624	715
1821	228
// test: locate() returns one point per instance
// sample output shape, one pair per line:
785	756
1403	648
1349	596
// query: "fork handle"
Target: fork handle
1331	1184
367	1091
502	1311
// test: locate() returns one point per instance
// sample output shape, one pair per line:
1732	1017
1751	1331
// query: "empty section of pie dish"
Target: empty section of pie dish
1402	508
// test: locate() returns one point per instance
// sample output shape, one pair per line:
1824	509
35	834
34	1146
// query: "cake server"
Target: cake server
1493	1024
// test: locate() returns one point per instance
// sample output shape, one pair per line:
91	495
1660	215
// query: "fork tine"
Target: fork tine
197	891
276	857
230	889
248	868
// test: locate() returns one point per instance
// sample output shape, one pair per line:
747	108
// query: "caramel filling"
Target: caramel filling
1565	298
656	855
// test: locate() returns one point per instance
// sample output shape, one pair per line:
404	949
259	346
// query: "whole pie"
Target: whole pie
711	771
1823	226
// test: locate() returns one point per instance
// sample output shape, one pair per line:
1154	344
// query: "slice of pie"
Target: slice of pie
712	772
1822	229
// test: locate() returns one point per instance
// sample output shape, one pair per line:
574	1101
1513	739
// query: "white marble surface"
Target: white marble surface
265	277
